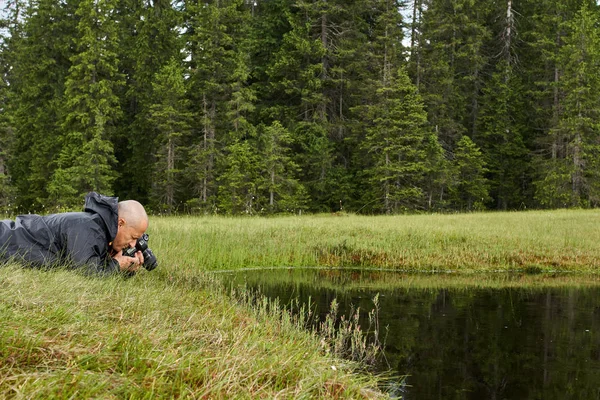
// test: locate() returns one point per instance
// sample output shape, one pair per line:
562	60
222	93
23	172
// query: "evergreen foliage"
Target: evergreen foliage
237	106
170	118
395	141
470	188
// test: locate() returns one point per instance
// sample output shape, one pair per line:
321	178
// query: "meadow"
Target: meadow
533	241
175	332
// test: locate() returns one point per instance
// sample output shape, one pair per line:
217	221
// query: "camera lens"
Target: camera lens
150	261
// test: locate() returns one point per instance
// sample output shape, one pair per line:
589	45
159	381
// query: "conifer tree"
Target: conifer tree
297	73
91	108
452	52
502	123
38	51
238	189
170	118
570	177
278	171
213	33
501	135
395	142
149	37
470	190
6	129
438	174
240	157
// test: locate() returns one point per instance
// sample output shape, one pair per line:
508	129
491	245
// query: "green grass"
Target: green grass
534	241
173	333
64	335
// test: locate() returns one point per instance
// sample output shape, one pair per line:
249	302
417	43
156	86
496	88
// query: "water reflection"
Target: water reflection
504	337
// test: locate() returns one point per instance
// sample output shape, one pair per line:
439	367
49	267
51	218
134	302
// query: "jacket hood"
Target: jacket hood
107	208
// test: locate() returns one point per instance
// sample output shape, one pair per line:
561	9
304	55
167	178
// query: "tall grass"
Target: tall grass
534	241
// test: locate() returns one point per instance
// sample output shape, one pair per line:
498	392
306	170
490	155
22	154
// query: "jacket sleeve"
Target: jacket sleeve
87	248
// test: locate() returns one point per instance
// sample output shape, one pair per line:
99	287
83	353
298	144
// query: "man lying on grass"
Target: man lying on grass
93	239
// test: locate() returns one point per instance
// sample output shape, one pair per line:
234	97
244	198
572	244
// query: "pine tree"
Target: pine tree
279	170
570	178
470	190
6	126
38	51
238	189
149	36
395	142
212	38
170	118
91	108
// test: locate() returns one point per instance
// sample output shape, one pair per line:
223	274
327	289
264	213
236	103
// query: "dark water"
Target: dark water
463	342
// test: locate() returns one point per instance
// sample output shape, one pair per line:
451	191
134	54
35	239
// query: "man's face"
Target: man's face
127	235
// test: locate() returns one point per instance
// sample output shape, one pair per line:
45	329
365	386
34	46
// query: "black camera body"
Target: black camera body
150	261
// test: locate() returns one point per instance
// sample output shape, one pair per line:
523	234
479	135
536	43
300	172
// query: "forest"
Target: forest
291	106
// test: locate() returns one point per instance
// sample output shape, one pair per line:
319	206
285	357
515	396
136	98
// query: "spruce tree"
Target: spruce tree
149	36
238	189
395	142
285	193
437	174
570	177
297	74
6	128
452	53
501	137
38	51
470	189
170	119
240	157
90	108
213	33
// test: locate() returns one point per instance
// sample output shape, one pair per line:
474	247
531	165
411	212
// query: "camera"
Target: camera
150	261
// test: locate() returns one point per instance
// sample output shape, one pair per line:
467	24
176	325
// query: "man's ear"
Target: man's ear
121	222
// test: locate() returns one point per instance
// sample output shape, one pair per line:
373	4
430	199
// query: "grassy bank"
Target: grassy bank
534	241
64	335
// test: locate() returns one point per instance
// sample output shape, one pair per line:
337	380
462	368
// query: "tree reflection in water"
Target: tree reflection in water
466	341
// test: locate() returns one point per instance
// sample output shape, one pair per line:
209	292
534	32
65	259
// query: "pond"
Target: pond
464	337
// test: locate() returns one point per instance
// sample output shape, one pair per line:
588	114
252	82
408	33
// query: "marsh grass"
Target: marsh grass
533	241
340	335
64	335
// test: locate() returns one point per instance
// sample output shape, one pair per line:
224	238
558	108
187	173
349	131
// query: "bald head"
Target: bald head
134	214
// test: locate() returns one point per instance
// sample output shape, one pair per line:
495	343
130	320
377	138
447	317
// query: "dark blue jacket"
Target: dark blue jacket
73	239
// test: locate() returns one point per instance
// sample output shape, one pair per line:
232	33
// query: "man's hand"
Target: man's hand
129	264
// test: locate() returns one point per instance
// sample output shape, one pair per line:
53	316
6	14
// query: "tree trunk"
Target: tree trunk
170	168
271	192
204	147
386	185
415	43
